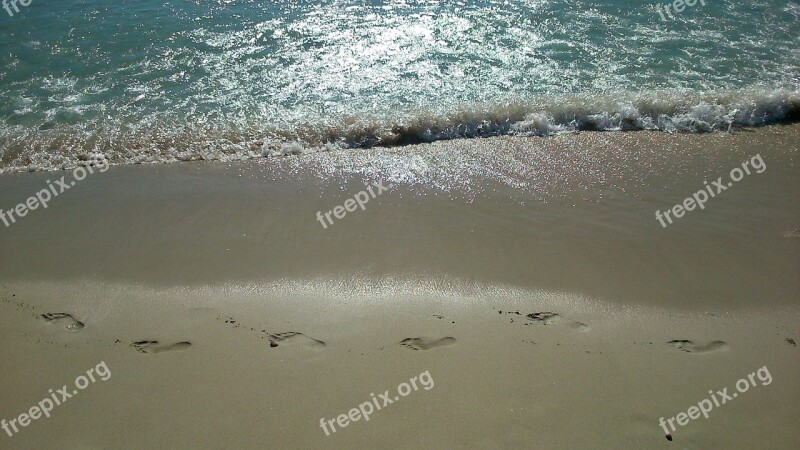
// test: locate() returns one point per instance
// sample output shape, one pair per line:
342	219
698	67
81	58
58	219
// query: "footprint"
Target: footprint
546	318
421	343
549	318
69	322
293	337
154	347
690	347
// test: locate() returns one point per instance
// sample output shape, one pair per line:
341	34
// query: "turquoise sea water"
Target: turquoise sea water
161	81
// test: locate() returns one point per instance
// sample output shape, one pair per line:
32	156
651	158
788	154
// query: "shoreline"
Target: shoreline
529	277
673	113
574	213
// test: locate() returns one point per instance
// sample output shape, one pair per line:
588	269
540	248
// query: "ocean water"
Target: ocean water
150	81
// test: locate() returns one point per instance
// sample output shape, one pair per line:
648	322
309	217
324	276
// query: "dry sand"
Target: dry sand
217	261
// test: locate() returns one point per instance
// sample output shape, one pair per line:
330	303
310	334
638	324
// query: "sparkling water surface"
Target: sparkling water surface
226	77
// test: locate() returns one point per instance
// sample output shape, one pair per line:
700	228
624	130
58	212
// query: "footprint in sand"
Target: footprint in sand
69	322
691	347
549	318
295	337
421	343
153	347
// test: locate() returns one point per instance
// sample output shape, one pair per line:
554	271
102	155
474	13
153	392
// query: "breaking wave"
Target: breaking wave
67	146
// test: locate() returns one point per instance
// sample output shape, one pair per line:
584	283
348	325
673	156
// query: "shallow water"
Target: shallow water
152	81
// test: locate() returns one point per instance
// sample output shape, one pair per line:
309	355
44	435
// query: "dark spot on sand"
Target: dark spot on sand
791	341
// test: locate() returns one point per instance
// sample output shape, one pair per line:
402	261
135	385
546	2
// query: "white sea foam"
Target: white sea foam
66	146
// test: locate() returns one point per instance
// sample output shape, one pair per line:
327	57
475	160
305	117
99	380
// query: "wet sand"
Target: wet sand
267	322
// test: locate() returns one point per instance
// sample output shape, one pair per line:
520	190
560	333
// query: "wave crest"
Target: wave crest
68	146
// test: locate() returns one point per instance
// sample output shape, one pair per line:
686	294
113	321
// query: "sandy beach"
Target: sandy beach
528	276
